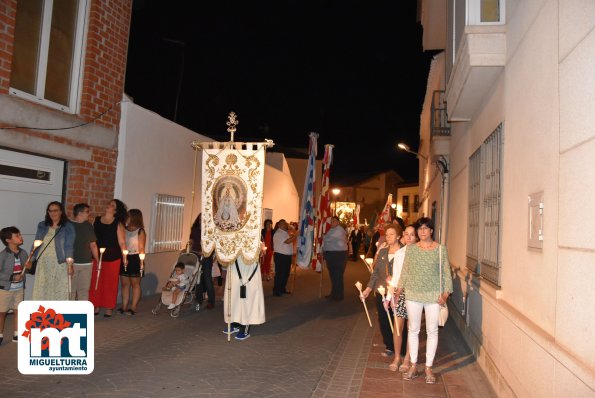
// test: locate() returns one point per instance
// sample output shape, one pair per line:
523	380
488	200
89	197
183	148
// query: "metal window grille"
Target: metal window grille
491	155
473	211
167	223
484	211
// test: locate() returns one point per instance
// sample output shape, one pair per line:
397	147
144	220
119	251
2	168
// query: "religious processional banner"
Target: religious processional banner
305	244
232	188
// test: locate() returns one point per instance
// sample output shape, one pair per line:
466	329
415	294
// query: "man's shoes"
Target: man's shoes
242	336
277	294
15	339
286	292
210	306
387	353
234	329
1	339
171	306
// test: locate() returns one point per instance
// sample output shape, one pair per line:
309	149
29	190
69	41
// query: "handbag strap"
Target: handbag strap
46	246
440	267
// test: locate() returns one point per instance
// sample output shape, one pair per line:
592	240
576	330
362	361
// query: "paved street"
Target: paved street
309	347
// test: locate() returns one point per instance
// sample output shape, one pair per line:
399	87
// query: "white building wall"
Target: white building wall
534	335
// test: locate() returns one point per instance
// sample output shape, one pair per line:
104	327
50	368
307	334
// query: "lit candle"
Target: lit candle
101	251
125	253
358	285
142	263
69	262
381	290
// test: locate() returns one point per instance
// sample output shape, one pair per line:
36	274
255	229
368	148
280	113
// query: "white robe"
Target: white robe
249	310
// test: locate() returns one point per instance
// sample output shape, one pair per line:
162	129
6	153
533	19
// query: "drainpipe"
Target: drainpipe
442	164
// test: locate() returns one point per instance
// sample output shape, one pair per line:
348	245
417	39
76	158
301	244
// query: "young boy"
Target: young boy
12	282
177	284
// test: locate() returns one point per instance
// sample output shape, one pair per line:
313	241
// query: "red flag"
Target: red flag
385	216
323	221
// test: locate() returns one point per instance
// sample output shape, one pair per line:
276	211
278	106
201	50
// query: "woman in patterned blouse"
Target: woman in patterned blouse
420	278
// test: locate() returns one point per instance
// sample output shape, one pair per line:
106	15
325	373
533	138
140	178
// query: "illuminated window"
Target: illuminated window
48	52
166	223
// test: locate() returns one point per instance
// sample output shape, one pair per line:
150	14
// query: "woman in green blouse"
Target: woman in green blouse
420	278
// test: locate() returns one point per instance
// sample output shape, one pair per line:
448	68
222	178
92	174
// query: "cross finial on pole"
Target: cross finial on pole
232	122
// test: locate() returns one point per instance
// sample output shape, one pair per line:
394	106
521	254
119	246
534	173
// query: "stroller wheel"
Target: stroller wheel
197	307
155	310
175	312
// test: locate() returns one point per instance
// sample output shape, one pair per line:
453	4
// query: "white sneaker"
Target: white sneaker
171	306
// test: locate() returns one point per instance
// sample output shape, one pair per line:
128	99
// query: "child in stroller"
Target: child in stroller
177	283
181	285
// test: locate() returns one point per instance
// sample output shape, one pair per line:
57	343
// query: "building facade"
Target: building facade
507	132
62	68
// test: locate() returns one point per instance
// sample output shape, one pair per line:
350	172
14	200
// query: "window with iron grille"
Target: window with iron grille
48	48
166	223
484	208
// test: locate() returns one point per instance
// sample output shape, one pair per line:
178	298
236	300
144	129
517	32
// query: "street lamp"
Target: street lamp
336	192
182	47
405	147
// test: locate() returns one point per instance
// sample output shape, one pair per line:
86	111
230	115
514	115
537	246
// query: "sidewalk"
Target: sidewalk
308	347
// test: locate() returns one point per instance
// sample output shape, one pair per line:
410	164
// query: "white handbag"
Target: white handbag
443	316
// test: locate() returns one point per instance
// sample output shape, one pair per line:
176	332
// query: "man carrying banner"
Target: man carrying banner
231	208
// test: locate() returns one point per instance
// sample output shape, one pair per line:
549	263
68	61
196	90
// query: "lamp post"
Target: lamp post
405	147
336	192
182	46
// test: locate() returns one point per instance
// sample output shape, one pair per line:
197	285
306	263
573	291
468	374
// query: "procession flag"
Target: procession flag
308	209
356	216
324	207
385	216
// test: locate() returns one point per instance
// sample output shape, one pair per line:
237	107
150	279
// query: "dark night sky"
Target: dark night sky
352	71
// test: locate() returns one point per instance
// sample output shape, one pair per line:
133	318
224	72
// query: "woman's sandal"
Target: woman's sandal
411	373
430	377
405	366
393	366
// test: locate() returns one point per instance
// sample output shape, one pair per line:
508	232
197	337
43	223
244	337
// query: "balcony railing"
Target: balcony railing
439	123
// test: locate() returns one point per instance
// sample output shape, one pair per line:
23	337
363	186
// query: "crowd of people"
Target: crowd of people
73	259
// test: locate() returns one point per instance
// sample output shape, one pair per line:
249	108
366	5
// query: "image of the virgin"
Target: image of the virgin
229	203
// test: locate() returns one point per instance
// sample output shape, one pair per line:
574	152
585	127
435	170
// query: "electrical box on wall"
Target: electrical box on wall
535	238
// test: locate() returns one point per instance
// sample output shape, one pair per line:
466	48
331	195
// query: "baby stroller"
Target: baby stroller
193	269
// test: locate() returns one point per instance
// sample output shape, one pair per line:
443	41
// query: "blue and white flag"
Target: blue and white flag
305	244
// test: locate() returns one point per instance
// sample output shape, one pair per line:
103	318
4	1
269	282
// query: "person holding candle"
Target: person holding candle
381	277
398	302
130	274
12	278
54	256
85	251
110	230
420	278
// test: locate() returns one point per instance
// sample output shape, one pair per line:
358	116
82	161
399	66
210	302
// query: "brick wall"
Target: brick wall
91	181
105	59
8	12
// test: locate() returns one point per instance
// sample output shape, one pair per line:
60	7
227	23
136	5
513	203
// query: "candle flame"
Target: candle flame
381	290
141	256
37	243
102	249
